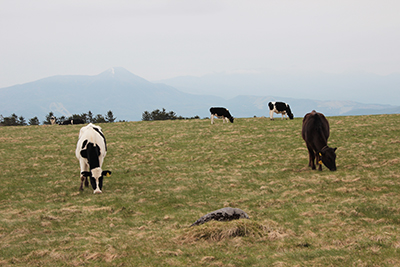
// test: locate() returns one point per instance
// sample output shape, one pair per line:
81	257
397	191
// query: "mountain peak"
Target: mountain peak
122	74
115	70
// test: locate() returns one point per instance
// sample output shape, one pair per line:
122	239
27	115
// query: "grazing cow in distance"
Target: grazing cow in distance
53	120
279	108
90	151
77	121
72	121
220	113
315	132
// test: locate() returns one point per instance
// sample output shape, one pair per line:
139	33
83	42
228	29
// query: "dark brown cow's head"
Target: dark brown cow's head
327	156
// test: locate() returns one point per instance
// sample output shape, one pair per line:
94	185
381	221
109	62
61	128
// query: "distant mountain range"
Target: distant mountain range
353	86
128	96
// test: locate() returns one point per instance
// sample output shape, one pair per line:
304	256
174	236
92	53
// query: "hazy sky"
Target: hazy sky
167	38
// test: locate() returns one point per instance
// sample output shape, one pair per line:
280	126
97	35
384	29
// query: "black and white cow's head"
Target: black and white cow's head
289	112
96	178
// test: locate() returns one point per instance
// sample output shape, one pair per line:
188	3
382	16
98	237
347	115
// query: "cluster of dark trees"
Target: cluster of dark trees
14	120
85	117
88	117
160	115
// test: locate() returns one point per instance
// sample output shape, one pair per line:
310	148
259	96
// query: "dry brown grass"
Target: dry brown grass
168	174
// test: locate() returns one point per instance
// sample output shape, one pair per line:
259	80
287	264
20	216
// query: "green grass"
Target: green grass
167	174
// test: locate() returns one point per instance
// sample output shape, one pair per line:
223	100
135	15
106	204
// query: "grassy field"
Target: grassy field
167	174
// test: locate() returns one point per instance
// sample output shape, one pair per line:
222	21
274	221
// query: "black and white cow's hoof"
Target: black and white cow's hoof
224	214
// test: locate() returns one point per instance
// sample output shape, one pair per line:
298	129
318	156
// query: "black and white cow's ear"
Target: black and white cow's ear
106	173
86	174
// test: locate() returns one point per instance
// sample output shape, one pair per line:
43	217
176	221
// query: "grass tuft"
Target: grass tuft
217	231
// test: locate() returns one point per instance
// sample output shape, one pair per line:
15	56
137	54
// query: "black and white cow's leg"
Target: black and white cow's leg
85	172
271	115
82	180
212	118
85	176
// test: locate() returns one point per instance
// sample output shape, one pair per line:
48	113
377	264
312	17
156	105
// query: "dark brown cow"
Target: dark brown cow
315	132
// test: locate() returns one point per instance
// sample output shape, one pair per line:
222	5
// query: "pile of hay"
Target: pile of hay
217	231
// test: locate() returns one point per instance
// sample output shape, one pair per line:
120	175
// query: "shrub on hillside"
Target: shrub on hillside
12	120
86	117
159	115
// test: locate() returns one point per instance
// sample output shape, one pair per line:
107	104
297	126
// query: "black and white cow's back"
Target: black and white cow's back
279	108
221	113
90	151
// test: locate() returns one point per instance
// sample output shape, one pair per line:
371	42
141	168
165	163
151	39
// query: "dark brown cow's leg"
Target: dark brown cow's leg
311	157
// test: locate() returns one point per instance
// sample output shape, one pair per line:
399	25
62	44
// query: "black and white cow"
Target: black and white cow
72	121
90	151
220	113
279	108
52	120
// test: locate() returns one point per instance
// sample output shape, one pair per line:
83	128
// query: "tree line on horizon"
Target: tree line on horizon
159	115
89	117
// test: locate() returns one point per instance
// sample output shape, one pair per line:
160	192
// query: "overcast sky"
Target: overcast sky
168	38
